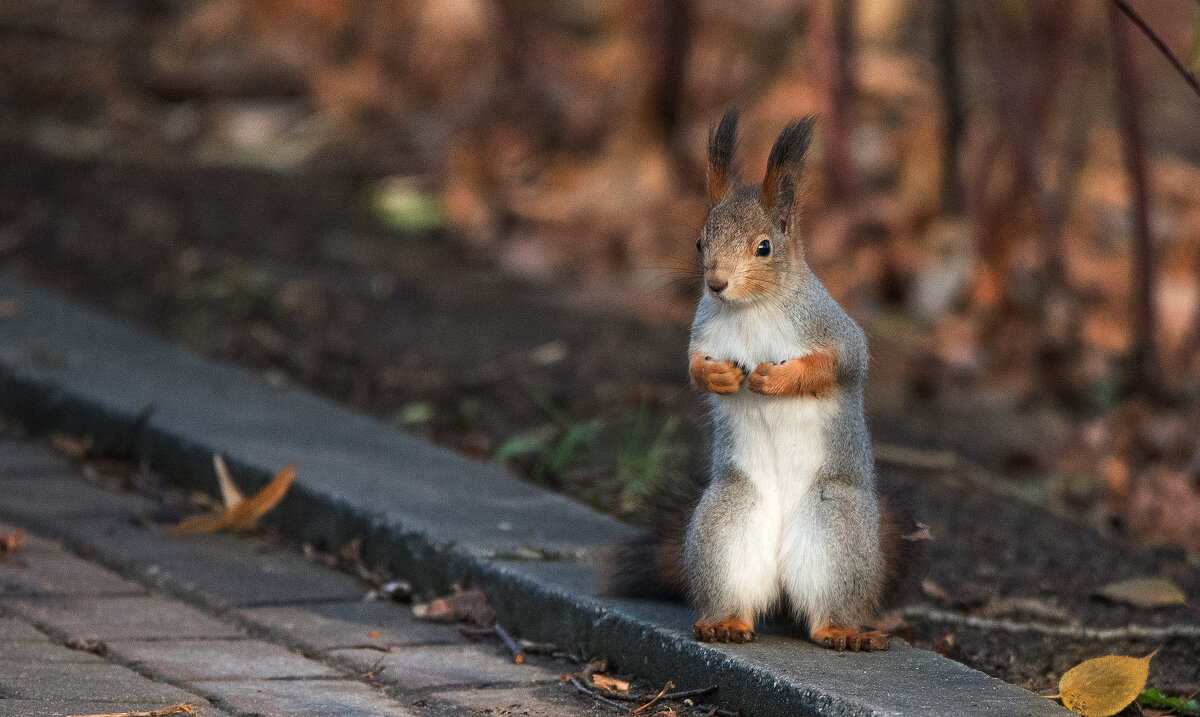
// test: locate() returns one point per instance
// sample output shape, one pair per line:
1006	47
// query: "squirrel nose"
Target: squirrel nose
717	285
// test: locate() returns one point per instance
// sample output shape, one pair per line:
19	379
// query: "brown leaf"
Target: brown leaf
466	605
9	308
611	684
1144	592
1104	686
921	533
71	447
245	512
11	540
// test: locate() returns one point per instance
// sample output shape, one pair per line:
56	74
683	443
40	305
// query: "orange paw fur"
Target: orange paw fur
811	375
842	638
731	630
723	377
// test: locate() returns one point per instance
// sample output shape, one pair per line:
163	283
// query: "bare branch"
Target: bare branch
1150	34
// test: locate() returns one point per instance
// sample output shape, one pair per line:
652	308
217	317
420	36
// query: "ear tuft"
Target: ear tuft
783	167
722	140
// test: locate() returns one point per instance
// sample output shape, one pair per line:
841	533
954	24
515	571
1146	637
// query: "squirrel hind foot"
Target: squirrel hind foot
730	630
847	639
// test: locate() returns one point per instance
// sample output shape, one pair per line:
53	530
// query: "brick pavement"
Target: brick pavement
232	626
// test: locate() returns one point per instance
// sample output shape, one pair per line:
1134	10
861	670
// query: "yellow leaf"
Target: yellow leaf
244	513
247	513
1145	592
1105	685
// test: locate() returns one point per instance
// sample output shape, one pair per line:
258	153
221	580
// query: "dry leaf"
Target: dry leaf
921	533
1105	685
611	684
467	605
230	495
71	447
182	708
1144	592
11	540
9	308
373	634
240	513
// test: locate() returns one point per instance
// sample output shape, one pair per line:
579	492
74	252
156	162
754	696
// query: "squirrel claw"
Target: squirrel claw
846	639
731	630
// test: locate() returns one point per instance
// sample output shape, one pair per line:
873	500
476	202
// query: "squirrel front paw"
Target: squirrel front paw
712	376
811	375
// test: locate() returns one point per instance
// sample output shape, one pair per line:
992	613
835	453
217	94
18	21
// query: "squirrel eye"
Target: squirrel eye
698	248
764	248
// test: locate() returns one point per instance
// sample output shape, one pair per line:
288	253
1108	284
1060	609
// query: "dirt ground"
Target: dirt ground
284	275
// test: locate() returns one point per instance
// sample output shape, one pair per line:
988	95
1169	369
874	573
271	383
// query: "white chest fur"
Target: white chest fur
777	442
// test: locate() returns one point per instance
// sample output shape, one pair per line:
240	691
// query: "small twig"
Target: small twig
517	655
714	711
1158	42
590	693
657	697
682	695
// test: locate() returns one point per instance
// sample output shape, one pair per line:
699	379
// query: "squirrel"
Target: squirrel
789	515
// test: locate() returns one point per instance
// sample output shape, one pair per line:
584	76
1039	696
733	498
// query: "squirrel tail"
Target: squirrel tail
901	542
650	565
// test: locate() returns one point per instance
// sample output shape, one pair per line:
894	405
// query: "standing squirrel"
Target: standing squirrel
789	516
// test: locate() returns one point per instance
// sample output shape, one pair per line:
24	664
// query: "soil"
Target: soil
282	274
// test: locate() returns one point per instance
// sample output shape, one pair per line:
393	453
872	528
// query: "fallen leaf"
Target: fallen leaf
373	634
921	533
11	540
1104	686
1144	592
611	684
240	513
71	447
9	308
465	605
182	708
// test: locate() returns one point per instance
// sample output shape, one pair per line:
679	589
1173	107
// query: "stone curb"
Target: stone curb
433	516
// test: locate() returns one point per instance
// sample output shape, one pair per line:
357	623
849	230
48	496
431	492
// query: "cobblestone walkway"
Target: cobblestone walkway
100	614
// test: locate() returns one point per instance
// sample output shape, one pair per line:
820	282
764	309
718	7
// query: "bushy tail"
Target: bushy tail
902	544
651	565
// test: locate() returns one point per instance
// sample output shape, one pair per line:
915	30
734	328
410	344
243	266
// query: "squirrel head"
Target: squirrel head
750	242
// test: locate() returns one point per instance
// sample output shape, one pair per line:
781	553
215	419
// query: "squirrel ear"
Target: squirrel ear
783	171
722	140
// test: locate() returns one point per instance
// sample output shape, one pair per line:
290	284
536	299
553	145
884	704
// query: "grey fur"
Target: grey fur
843	500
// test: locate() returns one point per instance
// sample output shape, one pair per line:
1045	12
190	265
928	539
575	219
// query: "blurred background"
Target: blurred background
476	218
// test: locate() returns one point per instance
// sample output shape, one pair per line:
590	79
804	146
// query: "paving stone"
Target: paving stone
22	459
542	701
57	572
421	667
223	570
328	626
16	630
43	652
288	698
64	708
193	660
73	681
73	500
117	618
